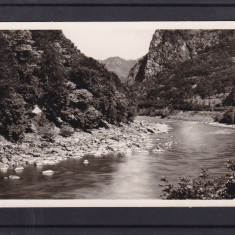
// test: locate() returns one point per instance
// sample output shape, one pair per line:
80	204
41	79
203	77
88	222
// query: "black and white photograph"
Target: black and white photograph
117	110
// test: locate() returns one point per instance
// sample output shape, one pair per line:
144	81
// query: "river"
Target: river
132	176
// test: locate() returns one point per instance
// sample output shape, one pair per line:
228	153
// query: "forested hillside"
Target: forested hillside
46	82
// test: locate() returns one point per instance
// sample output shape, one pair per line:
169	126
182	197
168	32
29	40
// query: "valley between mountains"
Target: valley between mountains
57	103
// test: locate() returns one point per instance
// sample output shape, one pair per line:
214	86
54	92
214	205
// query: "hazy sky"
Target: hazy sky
100	40
103	41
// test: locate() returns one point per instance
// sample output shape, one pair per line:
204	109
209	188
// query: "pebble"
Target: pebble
85	162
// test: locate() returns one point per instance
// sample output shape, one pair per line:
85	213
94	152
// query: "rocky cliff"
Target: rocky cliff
48	84
119	66
186	69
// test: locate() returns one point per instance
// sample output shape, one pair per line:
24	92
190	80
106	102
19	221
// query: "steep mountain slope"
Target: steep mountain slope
46	82
186	69
119	66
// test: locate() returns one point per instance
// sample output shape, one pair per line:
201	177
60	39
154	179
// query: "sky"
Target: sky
100	40
101	43
128	40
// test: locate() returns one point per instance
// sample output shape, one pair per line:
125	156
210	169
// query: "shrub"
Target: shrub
66	131
218	118
12	116
228	117
230	99
48	132
202	188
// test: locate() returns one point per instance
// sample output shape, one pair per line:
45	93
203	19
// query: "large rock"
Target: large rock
36	110
168	48
14	177
48	172
4	160
184	69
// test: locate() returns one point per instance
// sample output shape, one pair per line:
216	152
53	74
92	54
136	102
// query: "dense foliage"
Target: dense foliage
43	69
203	188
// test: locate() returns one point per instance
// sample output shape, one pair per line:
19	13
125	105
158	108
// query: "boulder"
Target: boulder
36	110
14	177
48	172
4	160
66	131
4	169
19	168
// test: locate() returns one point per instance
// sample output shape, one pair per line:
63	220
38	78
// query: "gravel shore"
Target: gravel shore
198	116
206	117
123	139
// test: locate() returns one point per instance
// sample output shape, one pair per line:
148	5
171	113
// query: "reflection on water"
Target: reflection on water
132	176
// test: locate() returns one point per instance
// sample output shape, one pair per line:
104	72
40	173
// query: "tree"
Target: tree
230	99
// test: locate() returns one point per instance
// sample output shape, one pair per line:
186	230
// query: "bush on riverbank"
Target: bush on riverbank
66	131
165	112
203	188
227	117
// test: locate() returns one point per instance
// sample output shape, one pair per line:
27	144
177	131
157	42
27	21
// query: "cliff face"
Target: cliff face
119	66
185	66
46	82
137	72
169	48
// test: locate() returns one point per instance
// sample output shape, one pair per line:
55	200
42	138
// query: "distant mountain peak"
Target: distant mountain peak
119	66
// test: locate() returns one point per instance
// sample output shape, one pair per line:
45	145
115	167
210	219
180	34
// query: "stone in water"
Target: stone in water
48	172
14	177
20	168
4	169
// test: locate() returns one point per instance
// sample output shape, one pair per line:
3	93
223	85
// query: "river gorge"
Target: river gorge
184	148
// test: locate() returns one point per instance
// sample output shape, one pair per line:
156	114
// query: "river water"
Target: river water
133	176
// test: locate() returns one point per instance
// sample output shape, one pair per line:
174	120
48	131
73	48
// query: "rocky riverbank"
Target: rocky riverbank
126	138
198	116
